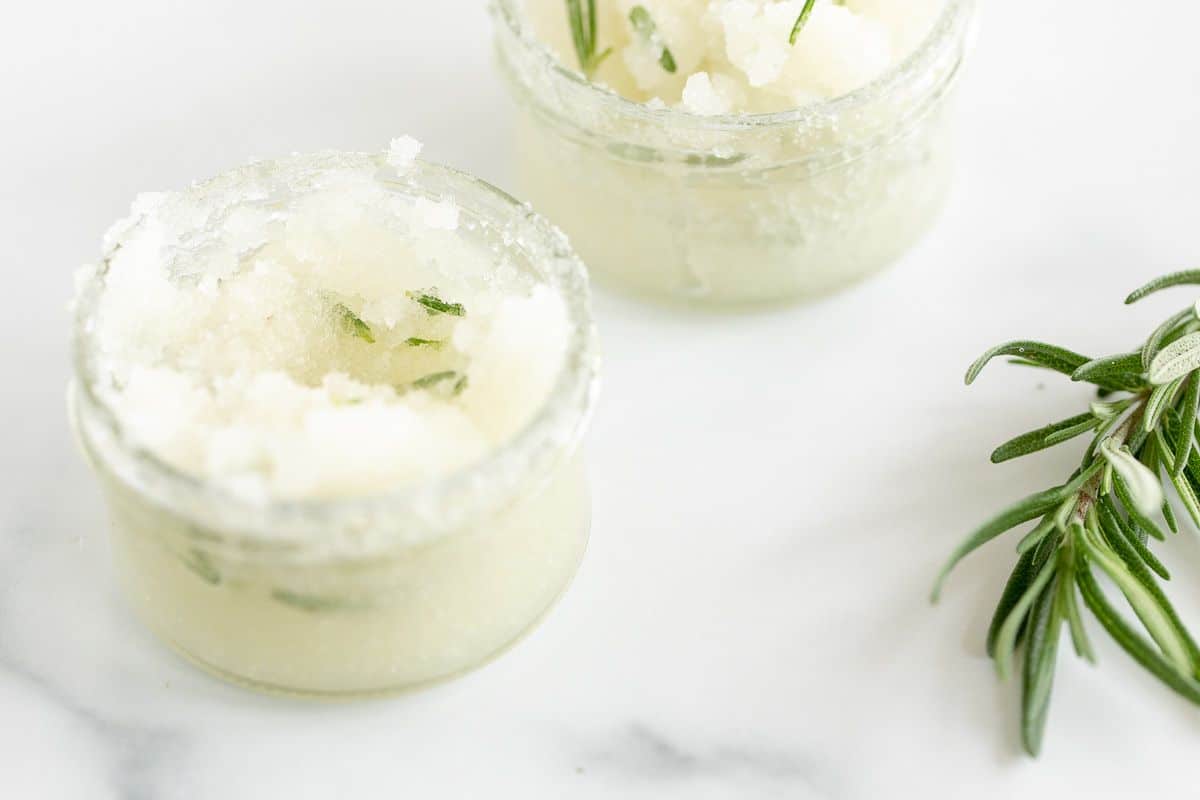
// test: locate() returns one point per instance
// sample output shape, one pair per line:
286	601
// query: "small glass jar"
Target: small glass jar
736	208
371	594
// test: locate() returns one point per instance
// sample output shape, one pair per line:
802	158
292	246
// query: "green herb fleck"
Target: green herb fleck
581	16
353	324
312	603
643	23
417	341
436	305
199	563
456	381
801	20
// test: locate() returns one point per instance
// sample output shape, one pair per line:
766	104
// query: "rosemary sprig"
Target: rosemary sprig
643	25
353	324
1103	517
581	16
436	305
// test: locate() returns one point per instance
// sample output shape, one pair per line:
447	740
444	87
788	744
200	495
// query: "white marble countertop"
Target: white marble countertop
773	491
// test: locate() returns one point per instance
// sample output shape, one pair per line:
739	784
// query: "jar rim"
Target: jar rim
956	16
414	511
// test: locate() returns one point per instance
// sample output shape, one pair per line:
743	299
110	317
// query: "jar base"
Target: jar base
326	695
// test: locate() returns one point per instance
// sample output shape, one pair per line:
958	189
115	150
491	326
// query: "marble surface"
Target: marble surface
773	491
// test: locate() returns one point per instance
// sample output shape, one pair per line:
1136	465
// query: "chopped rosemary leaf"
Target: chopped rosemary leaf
198	562
417	341
436	305
644	25
801	20
581	17
456	381
353	325
312	603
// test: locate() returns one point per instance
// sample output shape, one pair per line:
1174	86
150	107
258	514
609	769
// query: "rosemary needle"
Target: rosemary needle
801	20
644	25
581	17
354	325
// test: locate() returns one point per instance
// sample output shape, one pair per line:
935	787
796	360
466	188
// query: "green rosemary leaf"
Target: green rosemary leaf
1129	639
353	324
1043	438
312	604
578	35
1111	365
1144	523
456	381
1157	621
1006	639
1175	360
1151	347
1187	427
1027	509
644	25
1182	486
1049	356
598	60
1119	364
436	305
1169	515
416	341
1166	281
1023	573
199	562
1160	400
1067	434
1041	656
1125	543
1070	606
1123	372
1143	485
1035	536
1152	459
801	20
581	18
1187	494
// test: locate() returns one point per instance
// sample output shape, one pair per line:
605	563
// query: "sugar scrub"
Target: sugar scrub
726	56
335	402
697	150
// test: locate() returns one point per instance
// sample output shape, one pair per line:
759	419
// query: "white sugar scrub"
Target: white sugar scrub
335	402
697	150
723	56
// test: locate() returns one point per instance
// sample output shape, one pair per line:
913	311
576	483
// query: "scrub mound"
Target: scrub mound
294	332
728	56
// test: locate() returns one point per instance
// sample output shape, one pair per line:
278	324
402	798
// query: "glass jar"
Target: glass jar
370	594
737	208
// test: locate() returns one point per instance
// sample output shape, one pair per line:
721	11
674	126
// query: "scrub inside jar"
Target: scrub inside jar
733	56
342	339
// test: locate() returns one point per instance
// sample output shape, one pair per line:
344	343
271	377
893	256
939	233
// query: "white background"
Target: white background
773	491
